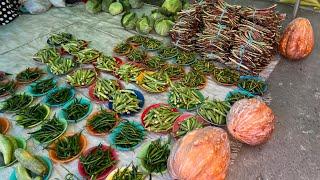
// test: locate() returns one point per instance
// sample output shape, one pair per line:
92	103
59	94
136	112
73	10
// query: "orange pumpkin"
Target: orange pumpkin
297	41
202	154
250	121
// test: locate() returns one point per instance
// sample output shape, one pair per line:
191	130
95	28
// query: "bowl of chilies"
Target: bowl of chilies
203	66
130	172
153	82
102	122
50	130
108	63
194	79
67	148
236	95
153	156
42	87
226	76
29	75
59	96
73	47
82	77
32	116
155	63
15	103
4	125
253	84
126	102
186	123
122	49
97	162
136	40
61	66
174	71
137	55
214	111
185	98
151	44
45	55
87	56
159	118
103	88
128	72
76	110
7	87
127	135
186	58
168	52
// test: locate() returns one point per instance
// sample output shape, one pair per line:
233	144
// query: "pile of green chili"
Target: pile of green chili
43	86
105	87
103	121
194	79
59	96
125	102
29	75
50	130
215	111
186	58
129	136
76	110
188	125
168	52
137	39
152	44
174	71
123	48
32	115
160	119
137	55
226	76
155	63
82	77
68	147
204	67
16	102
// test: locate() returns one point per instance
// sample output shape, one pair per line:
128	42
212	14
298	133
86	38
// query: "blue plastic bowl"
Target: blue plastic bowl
83	101
255	78
118	129
47	162
55	90
29	88
141	103
246	93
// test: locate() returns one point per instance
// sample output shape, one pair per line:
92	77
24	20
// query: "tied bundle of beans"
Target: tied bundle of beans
50	130
188	125
32	115
87	56
68	147
76	110
130	172
97	161
214	112
125	101
129	136
137	55
7	87
45	55
43	86
16	102
154	82
160	119
156	157
105	87
106	63
194	79
103	122
74	46
184	97
184	31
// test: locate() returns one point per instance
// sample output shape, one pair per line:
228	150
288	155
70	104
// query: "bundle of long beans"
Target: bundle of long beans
129	135
103	121
50	130
68	147
130	172
32	115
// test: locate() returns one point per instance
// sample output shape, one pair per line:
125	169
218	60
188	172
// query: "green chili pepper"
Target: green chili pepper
226	76
60	96
68	147
74	46
194	79
154	82
129	135
128	72
160	119
43	86
105	87
188	125
168	52
60	65
103	122
107	63
29	75
130	172
186	58
32	115
82	77
137	55
156	157
16	102
184	97
7	87
125	101
76	110
136	39
46	55
152	44
60	38
215	111
123	48
204	67
174	71
236	96
254	86
155	63
50	130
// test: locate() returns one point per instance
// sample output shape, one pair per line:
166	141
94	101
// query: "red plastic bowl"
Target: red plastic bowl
182	118
106	172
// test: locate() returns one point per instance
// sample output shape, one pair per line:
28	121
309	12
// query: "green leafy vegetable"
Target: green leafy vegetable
115	8
144	25
163	26
129	20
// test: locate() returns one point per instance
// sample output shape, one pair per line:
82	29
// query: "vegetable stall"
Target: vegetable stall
181	80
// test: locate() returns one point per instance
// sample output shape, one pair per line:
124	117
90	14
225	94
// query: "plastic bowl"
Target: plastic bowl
192	108
47	162
140	79
183	117
106	172
141	103
54	91
3	102
94	98
92	132
31	80
40	122
21	144
29	88
148	109
5	125
118	129
7	93
254	78
53	154
87	85
83	101
246	93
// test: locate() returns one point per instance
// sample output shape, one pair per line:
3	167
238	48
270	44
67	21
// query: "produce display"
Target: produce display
151	44
16	102
174	71
136	40
122	49
226	76
29	75
168	52
104	88
253	85
102	122
82	77
43	86
204	67
7	88
61	65
188	125
215	112
31	116
59	39
186	58
46	55
155	62
237	95
185	97
125	102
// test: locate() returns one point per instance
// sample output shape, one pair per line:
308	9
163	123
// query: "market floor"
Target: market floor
294	150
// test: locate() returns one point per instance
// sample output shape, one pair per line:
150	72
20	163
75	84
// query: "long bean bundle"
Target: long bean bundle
29	116
68	147
50	130
16	102
103	121
129	136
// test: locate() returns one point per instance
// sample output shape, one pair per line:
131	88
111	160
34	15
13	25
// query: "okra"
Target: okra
46	55
59	39
194	79
107	63
154	82
82	77
184	97
61	65
128	72
215	112
137	55
74	46
105	87
87	56
188	125
226	76
186	58
125	102
130	172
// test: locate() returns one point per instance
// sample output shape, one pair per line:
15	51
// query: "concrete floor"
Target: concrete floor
294	150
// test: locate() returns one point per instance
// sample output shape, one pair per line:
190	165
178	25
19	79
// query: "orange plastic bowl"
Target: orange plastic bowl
94	133
53	155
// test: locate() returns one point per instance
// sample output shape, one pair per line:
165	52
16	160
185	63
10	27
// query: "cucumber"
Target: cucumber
22	173
6	148
30	162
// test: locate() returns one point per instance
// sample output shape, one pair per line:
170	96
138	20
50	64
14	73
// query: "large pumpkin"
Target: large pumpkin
250	121
297	41
202	154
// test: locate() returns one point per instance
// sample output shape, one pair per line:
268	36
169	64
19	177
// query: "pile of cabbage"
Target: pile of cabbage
113	7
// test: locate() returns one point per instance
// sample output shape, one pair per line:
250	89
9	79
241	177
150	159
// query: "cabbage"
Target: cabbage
93	6
163	26
144	25
126	5
115	8
172	6
106	4
156	14
136	3
129	20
